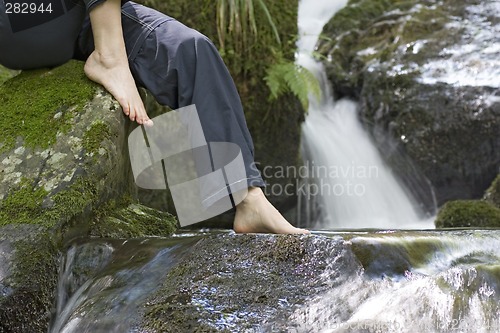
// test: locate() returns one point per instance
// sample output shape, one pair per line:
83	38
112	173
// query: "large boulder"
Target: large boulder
425	72
64	173
206	283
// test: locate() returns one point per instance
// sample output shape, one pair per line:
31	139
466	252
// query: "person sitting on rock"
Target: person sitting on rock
125	44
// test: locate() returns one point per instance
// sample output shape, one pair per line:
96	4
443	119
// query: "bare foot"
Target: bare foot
114	74
255	214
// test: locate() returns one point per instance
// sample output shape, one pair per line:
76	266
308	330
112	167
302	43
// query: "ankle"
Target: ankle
110	59
254	193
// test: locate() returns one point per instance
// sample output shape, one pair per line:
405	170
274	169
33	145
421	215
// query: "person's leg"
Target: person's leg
180	67
108	64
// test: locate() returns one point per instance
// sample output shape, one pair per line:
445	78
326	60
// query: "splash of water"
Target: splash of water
349	184
411	281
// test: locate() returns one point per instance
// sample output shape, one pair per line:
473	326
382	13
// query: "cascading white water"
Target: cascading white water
353	186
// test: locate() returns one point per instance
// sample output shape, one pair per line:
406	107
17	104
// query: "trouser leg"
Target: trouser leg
180	67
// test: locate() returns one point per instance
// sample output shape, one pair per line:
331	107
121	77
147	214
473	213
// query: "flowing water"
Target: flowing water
349	185
103	283
411	282
386	281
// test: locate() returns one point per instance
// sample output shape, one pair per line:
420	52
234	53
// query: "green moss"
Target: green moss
468	213
73	201
421	250
6	74
38	259
123	219
94	136
34	282
35	104
381	259
23	205
492	194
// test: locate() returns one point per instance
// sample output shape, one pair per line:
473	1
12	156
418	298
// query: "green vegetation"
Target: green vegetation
35	104
286	76
6	74
94	136
33	282
124	219
236	22
23	205
468	213
492	194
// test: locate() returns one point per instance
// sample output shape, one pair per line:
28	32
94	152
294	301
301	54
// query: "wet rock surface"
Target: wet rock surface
427	73
28	277
345	282
246	282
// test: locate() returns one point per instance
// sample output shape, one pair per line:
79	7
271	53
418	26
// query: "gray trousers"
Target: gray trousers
179	66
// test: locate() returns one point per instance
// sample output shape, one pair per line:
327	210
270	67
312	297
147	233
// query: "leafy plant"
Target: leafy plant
236	20
237	29
287	76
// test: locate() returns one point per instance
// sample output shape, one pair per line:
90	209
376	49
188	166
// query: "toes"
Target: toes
132	114
125	106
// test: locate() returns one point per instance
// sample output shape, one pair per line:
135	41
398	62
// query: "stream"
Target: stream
349	281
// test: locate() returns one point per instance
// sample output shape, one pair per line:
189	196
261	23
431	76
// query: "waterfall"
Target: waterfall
349	185
103	283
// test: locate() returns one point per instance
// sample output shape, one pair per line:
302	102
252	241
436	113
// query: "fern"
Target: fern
287	76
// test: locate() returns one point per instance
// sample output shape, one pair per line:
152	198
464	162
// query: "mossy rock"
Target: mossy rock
468	214
391	56
132	221
29	277
244	278
372	32
6	74
64	162
492	194
52	170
